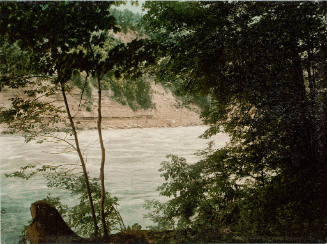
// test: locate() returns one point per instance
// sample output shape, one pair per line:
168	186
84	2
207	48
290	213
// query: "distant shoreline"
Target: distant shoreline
167	112
4	131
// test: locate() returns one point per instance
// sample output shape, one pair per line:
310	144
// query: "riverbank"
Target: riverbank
48	226
167	111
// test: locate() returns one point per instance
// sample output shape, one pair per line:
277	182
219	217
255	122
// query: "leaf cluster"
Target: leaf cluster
78	216
127	20
260	67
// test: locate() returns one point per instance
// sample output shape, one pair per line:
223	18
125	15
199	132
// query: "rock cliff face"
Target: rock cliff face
165	114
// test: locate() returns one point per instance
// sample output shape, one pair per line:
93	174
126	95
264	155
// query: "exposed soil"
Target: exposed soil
166	113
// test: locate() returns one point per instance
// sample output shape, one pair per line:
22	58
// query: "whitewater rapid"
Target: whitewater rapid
131	170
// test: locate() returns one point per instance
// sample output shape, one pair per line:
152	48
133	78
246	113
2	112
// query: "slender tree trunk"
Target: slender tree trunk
303	101
322	105
96	229
103	159
121	221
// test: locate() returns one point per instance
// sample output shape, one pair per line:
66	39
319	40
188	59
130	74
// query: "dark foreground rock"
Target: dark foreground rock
49	227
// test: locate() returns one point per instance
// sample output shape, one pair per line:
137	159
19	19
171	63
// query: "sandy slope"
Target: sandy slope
115	115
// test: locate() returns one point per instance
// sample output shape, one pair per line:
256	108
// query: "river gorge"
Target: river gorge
131	170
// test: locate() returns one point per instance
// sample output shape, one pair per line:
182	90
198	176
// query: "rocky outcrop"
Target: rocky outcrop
48	226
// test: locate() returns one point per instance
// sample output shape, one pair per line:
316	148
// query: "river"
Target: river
131	170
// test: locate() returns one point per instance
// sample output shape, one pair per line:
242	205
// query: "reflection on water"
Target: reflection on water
131	170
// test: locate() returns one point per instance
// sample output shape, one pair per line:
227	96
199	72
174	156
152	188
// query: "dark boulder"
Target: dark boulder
48	226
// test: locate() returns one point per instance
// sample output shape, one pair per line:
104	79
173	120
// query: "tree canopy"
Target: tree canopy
258	70
72	47
262	67
59	41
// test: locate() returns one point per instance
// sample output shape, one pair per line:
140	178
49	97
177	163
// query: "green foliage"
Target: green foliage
128	20
31	112
78	216
201	195
68	44
56	203
13	64
134	227
50	52
134	93
260	65
32	116
75	54
49	36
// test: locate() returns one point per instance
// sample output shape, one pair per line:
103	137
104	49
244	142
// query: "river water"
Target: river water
131	170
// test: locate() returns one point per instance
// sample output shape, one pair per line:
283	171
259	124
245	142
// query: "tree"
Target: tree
100	70
55	34
128	20
63	177
262	67
62	46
